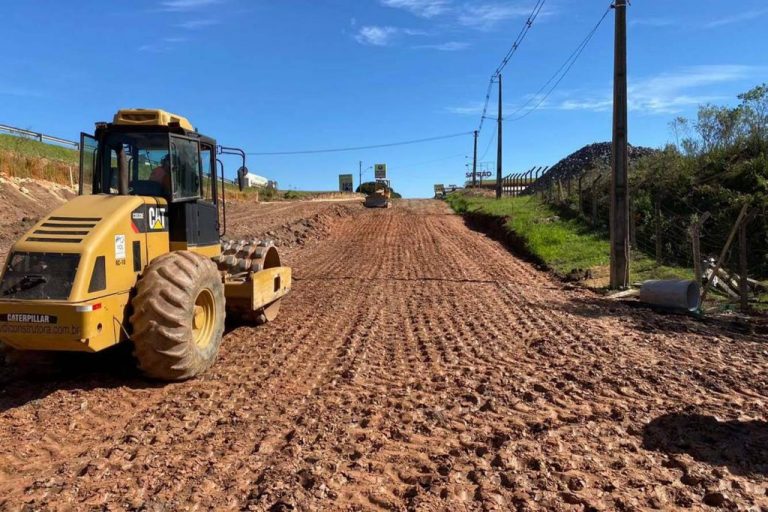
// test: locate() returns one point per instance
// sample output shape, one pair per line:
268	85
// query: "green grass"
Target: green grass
563	244
35	149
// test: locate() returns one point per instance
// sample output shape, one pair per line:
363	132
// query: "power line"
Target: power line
488	147
515	45
562	71
357	148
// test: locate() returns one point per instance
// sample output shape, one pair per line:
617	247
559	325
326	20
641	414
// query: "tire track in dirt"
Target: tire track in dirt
416	365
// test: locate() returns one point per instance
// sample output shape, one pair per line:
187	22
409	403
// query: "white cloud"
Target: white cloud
484	16
450	46
375	35
736	18
196	24
472	109
164	45
186	5
423	8
667	93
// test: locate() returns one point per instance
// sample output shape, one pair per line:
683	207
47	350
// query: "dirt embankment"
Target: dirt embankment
289	224
23	202
416	365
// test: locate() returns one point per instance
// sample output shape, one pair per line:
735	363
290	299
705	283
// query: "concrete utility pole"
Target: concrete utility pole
474	164
619	186
498	148
360	179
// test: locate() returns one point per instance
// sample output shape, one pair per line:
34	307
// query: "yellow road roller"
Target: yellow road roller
138	255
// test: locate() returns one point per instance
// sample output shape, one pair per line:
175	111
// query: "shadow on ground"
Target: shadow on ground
646	318
742	446
29	376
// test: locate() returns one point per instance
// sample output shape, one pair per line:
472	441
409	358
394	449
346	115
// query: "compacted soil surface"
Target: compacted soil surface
416	365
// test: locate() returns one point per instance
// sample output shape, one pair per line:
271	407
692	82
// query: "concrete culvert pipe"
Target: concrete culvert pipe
672	293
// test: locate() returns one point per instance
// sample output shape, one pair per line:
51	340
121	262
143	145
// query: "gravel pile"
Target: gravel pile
590	157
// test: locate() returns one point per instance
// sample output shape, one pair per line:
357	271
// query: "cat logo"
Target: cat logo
156	218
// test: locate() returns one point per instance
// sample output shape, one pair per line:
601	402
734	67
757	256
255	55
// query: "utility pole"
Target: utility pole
474	164
498	148
360	179
619	187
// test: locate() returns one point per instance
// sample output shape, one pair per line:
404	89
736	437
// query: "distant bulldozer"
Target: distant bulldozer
380	197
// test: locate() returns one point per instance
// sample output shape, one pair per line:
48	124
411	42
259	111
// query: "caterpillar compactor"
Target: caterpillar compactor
381	197
137	257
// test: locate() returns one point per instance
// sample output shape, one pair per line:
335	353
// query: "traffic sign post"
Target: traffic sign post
380	171
345	183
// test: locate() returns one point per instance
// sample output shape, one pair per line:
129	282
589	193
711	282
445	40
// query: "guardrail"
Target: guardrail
20	132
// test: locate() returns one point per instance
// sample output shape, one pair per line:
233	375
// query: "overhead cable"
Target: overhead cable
559	75
358	148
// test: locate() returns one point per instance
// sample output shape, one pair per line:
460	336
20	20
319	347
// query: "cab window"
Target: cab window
209	174
185	168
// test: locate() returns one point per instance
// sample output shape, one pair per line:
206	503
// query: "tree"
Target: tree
370	186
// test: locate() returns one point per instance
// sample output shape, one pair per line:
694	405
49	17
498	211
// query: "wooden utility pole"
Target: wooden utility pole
498	148
474	164
619	186
360	179
696	246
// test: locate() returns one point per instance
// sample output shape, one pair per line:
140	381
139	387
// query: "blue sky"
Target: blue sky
286	75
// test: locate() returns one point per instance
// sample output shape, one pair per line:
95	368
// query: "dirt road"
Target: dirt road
416	365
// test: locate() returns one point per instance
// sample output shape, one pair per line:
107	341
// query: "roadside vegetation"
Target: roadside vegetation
25	158
566	245
717	164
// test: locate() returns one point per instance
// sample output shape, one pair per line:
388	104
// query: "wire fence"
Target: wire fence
41	137
722	248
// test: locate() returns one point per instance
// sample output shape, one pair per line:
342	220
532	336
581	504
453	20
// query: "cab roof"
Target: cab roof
150	117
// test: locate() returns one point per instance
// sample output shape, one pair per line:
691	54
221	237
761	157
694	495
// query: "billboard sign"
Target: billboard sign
480	174
380	171
345	183
439	189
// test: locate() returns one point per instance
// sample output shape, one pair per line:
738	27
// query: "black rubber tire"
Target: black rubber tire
163	315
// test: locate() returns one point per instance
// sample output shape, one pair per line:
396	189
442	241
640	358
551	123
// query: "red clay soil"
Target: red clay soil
22	203
416	365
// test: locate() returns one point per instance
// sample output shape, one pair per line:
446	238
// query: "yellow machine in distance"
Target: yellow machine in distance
381	197
137	255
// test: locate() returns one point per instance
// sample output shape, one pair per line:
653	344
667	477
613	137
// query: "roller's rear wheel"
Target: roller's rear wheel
178	316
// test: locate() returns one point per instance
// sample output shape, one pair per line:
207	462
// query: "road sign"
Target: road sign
345	183
380	171
480	174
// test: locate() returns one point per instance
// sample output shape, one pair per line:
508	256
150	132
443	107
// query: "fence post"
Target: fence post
724	251
657	228
632	225
696	245
594	200
743	284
